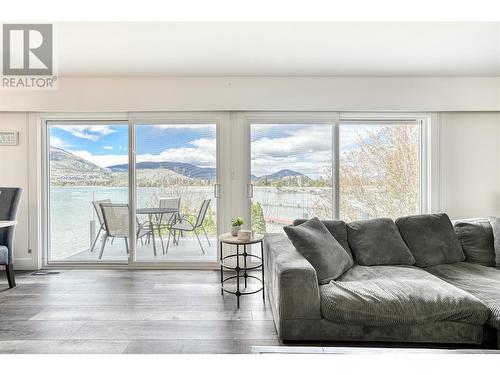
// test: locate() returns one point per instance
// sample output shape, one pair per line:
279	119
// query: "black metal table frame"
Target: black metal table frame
243	269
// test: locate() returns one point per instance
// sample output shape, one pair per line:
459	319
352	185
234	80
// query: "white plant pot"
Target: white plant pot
234	230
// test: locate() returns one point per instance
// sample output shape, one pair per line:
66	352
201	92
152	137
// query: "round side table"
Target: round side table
241	270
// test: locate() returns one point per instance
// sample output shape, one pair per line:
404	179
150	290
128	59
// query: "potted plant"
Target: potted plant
236	223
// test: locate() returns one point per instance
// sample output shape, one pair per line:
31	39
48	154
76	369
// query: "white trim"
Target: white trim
35	235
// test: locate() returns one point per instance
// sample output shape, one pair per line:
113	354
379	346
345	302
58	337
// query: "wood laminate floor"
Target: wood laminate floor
126	311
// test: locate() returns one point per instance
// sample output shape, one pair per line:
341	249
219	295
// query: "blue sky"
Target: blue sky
303	148
107	145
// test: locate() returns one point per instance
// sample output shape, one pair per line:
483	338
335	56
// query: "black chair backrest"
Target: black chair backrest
9	206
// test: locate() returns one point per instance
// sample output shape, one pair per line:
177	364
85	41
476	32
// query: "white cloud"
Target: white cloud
57	142
107	147
300	142
92	132
305	149
185	126
202	154
102	160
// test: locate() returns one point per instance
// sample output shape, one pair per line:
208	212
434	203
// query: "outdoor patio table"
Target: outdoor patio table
158	212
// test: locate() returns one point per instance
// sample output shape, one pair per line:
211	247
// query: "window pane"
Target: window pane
176	171
81	172
379	170
291	170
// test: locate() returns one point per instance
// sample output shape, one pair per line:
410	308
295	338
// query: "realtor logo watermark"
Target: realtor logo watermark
28	57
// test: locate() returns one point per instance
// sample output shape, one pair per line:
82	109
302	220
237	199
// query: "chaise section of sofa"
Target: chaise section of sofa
480	281
297	302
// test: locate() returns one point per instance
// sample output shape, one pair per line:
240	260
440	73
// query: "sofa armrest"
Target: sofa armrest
291	281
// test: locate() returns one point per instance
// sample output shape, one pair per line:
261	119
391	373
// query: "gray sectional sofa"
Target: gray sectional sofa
446	291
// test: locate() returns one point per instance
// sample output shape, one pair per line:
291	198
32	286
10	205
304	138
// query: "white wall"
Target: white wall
470	164
260	94
14	173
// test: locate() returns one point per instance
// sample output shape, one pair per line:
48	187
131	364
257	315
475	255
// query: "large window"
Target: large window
192	172
348	169
291	174
379	169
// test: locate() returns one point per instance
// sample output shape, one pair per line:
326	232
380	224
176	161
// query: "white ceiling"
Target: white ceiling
278	49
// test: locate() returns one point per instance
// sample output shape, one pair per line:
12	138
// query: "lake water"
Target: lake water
71	210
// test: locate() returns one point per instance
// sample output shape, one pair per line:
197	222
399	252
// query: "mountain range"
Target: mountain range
68	168
185	169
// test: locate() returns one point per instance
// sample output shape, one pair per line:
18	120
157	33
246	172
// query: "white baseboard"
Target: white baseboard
23	264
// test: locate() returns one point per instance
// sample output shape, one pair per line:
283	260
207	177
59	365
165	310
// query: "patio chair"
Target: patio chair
9	205
116	223
170	203
98	211
169	219
186	226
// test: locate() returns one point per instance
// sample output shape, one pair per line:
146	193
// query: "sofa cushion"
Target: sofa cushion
397	295
495	225
480	281
377	242
476	237
320	248
431	239
337	228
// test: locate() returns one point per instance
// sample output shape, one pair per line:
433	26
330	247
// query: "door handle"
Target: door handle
250	191
216	190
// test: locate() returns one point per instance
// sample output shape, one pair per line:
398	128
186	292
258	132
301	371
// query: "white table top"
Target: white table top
230	239
4	224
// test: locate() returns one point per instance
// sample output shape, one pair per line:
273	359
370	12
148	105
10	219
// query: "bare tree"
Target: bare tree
379	176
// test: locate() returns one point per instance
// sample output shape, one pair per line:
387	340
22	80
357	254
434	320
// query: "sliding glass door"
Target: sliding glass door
176	191
145	191
82	179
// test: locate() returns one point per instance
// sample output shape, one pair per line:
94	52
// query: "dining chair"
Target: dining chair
98	211
116	223
9	206
186	226
169	219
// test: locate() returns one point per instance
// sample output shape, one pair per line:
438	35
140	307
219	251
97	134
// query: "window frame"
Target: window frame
428	148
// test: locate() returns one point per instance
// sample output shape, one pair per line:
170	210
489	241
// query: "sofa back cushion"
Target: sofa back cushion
431	239
320	248
495	225
377	242
476	237
337	228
